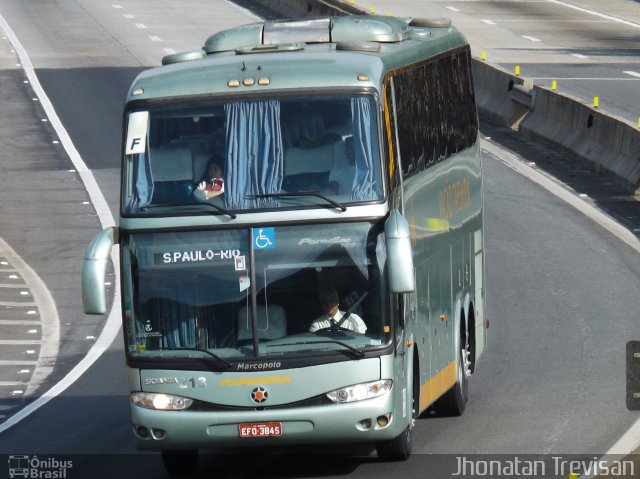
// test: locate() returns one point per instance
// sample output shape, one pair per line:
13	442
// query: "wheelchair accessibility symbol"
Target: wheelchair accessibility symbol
264	238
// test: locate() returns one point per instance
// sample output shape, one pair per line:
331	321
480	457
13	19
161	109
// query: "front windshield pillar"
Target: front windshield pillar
254	302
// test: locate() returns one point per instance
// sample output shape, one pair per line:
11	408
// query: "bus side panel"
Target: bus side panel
434	137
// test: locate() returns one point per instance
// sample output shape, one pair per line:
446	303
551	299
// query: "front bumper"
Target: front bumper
174	430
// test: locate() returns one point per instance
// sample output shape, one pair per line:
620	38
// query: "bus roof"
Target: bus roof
354	51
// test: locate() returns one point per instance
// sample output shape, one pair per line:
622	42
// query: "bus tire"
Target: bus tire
180	463
398	448
454	401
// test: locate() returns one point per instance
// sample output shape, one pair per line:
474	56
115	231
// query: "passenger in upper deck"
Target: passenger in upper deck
330	303
212	183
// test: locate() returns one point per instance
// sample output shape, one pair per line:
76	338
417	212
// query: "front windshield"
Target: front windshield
317	289
251	154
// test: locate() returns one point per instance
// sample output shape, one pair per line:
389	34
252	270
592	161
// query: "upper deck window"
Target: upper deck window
252	154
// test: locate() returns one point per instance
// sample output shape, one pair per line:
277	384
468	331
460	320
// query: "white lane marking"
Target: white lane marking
102	208
597	14
530	38
488	22
141	26
19	342
169	51
13	304
128	16
627	444
112	325
154	38
117	7
633	74
453	9
578	55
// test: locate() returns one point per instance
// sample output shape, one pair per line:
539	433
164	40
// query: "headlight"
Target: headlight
358	392
164	402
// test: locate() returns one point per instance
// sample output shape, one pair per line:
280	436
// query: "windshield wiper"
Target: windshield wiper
226	363
220	209
358	352
212	205
339	206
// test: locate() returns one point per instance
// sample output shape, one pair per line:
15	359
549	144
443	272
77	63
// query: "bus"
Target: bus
300	236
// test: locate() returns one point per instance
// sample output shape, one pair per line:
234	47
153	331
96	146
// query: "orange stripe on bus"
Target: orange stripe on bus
387	122
437	385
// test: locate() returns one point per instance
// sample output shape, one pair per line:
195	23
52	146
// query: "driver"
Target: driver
331	306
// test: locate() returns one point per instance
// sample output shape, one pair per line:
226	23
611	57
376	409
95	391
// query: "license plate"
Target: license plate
266	429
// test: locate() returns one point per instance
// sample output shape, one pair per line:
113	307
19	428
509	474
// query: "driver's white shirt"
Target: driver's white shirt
352	323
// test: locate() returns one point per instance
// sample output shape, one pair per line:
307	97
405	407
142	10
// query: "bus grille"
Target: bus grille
321	400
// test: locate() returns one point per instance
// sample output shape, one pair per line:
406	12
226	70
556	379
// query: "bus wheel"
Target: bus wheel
454	401
398	448
180	463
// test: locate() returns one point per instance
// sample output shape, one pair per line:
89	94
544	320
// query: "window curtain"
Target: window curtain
366	185
178	322
254	153
143	183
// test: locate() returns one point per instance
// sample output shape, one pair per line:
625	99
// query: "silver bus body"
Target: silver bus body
219	298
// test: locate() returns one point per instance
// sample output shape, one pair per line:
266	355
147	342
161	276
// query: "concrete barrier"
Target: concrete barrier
607	144
502	98
604	143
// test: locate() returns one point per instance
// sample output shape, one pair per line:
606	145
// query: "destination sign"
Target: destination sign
195	256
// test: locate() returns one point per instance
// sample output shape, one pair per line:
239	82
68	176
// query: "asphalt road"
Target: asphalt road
562	291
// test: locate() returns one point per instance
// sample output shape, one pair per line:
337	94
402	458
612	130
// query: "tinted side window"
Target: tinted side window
436	112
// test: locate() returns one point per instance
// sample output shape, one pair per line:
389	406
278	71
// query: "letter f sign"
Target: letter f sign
137	133
135	145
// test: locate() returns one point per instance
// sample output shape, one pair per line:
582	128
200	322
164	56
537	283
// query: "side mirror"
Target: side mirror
399	254
94	269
